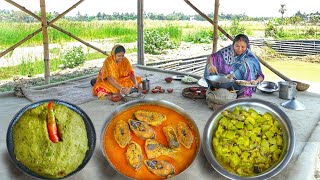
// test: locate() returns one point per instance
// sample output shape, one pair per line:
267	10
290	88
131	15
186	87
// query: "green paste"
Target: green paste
34	149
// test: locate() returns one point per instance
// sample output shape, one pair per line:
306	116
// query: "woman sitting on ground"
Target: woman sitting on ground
116	75
236	61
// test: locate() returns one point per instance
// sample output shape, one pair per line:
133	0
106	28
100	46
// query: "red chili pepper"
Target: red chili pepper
51	124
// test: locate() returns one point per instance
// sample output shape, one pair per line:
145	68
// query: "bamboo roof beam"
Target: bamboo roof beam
49	24
208	19
20	42
23	9
78	39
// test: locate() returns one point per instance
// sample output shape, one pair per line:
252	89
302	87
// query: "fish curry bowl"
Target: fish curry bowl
248	139
51	139
150	139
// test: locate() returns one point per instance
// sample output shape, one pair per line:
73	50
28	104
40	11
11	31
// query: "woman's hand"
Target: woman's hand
136	85
257	81
124	90
254	82
213	69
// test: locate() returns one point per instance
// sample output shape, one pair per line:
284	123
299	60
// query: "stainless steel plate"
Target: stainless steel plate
268	87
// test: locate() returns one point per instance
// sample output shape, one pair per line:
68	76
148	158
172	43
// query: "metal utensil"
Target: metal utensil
261	107
220	81
293	104
268	87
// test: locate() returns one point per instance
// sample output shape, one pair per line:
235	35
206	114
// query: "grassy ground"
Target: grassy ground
295	70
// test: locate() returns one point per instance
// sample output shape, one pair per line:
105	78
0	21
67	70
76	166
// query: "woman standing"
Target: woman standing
239	62
116	75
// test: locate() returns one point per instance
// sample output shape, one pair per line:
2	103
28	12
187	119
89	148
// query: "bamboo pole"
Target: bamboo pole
24	9
20	42
140	33
231	38
65	12
48	24
208	19
45	41
215	26
78	39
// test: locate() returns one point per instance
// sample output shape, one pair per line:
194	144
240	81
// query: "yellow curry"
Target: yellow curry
246	142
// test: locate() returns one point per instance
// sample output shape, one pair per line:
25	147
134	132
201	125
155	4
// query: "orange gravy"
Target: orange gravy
116	154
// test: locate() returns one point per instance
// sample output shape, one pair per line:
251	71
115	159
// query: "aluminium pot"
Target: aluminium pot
287	89
220	81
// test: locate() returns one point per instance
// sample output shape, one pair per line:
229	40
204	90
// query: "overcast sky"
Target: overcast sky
252	8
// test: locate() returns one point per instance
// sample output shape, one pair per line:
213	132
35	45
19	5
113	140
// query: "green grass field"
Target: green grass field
125	32
295	70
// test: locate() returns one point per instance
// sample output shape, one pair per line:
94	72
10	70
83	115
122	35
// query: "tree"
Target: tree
282	10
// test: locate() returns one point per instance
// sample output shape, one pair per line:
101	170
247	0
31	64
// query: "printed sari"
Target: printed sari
121	72
244	67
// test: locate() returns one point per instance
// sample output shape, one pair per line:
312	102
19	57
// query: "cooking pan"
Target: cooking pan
220	81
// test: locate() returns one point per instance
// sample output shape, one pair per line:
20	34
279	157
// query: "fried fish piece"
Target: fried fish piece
171	136
154	149
160	168
150	117
134	155
121	133
141	129
185	135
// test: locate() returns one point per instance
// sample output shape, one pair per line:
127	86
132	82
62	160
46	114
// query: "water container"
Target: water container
146	84
287	89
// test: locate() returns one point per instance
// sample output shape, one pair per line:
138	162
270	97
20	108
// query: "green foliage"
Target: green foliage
311	31
73	57
174	31
236	28
202	36
28	68
156	42
271	29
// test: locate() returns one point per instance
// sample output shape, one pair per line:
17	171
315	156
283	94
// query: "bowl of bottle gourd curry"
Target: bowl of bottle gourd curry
248	139
45	130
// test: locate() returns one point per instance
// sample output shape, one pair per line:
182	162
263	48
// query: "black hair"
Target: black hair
119	49
242	37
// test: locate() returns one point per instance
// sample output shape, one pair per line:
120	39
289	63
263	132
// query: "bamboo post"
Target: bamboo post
45	42
208	19
231	38
140	33
215	26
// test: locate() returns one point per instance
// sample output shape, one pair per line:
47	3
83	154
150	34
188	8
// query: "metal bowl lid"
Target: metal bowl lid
293	104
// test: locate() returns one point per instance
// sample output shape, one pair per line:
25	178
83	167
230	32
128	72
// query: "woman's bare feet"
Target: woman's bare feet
102	95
